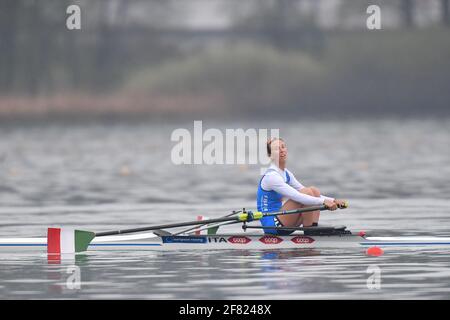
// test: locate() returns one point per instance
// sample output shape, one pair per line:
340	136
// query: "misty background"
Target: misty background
222	58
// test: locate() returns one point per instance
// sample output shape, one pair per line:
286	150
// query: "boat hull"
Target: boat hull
149	241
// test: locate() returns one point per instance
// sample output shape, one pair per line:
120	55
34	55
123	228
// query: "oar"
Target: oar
196	228
292	228
345	205
207	227
242	217
79	241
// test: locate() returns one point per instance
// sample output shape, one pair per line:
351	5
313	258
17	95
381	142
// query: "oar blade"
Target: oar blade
210	231
213	230
68	240
83	239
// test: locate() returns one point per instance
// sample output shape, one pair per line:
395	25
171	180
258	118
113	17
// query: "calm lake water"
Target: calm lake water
102	176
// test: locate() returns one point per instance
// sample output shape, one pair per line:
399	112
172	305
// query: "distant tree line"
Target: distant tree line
38	55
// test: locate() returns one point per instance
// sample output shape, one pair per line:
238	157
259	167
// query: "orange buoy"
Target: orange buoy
374	251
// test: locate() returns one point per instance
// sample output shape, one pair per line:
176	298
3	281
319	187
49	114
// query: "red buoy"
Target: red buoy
374	251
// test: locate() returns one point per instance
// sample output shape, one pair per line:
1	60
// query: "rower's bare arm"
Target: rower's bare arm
278	185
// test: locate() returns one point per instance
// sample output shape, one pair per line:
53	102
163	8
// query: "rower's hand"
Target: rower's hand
341	204
331	205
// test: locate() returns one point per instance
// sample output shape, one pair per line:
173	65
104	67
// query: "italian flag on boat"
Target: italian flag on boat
210	231
68	240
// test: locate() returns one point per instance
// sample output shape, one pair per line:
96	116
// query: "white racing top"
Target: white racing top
276	180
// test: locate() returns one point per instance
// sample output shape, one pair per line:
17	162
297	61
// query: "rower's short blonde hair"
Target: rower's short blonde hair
269	145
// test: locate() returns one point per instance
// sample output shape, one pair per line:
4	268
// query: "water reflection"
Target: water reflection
240	274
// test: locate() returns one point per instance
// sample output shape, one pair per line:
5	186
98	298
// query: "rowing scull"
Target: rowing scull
258	241
157	239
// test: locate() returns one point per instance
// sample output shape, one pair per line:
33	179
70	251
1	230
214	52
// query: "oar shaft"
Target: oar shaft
206	227
206	223
291	228
243	217
161	226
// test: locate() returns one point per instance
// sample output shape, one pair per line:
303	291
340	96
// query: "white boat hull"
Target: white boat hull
149	241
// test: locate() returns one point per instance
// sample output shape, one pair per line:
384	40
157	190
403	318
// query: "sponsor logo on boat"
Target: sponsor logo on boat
183	239
216	239
271	240
302	240
239	240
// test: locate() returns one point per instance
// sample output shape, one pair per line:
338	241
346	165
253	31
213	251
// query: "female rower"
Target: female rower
278	183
